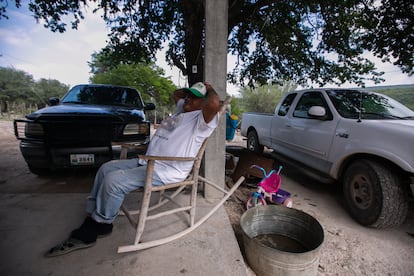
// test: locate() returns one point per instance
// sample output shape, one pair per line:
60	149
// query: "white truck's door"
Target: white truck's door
306	138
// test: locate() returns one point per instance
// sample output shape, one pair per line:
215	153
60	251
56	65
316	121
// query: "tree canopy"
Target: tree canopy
17	86
147	78
293	40
264	98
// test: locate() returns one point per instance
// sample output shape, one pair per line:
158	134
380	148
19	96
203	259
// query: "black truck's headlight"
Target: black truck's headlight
34	130
134	129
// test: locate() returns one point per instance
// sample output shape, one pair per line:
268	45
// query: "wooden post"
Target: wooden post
215	70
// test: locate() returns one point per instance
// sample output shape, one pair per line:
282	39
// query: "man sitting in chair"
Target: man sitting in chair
181	134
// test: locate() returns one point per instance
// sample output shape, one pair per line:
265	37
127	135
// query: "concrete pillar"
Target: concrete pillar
215	69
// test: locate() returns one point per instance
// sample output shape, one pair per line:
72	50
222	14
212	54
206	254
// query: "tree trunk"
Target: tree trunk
193	12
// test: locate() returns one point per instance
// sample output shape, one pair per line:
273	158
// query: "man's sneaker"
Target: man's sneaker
90	230
86	232
103	229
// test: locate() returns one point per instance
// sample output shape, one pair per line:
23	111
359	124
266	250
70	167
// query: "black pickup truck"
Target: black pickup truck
83	128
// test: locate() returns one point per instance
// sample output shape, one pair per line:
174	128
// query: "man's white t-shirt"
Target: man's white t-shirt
180	135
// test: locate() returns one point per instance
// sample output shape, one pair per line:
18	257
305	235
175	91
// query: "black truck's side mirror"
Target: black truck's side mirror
53	101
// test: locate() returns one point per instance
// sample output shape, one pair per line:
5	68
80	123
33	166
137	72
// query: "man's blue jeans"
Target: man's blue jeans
113	181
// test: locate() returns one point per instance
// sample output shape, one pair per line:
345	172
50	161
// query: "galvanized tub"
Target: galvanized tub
281	241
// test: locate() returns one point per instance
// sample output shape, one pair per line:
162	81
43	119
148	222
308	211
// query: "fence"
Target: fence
16	110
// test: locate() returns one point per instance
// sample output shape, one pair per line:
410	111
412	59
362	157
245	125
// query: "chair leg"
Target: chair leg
124	152
193	202
161	196
146	197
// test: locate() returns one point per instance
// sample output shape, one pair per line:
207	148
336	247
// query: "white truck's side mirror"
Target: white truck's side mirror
317	111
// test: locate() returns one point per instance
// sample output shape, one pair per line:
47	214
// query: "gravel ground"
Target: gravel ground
348	248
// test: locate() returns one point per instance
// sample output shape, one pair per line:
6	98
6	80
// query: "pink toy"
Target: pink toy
269	188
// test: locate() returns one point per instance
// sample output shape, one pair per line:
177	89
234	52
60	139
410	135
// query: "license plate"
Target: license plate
82	159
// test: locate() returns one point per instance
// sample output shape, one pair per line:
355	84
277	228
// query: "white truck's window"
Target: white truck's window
308	100
284	107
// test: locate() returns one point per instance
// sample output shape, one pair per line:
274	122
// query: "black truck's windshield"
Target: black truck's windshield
103	95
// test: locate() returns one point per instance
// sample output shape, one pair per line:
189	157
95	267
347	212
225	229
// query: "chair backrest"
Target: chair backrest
197	163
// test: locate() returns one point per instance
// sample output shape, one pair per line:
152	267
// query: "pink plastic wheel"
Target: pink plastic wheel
254	201
288	202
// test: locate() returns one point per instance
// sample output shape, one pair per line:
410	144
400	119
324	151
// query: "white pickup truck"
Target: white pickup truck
363	140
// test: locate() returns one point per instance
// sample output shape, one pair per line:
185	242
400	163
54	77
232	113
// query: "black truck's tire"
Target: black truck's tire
39	171
253	142
374	195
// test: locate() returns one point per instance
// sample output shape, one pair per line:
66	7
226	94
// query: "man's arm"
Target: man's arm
178	94
211	104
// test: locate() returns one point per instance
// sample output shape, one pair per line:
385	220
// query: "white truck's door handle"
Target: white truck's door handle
342	134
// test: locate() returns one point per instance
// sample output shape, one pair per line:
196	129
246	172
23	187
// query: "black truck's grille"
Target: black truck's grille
81	132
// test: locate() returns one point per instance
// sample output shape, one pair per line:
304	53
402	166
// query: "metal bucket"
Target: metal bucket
281	241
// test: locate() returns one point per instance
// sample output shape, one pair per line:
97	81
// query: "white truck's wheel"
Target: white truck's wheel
253	142
374	195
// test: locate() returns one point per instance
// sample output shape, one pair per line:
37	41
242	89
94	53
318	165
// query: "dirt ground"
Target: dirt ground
348	248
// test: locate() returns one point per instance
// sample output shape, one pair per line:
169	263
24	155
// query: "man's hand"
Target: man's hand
178	94
211	104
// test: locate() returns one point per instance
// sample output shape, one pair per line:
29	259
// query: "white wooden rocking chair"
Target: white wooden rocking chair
192	181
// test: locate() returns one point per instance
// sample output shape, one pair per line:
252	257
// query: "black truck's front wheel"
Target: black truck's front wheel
39	171
374	195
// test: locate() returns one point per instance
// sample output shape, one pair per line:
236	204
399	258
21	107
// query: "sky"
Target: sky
28	46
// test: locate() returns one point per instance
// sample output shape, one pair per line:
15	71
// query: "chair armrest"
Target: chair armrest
166	158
